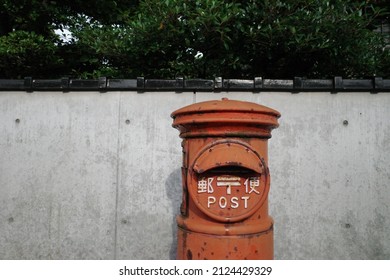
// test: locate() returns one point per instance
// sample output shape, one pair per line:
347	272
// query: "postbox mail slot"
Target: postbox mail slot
230	170
228	154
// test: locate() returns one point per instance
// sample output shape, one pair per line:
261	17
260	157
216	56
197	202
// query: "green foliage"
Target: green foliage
102	50
24	53
202	38
257	38
313	38
190	38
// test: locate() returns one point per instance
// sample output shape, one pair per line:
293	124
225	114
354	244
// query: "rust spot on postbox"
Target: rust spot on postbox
227	180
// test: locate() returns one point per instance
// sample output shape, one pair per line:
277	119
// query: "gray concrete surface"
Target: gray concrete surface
88	175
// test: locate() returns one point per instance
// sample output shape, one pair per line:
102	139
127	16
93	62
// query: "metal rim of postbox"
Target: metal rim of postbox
192	179
225	105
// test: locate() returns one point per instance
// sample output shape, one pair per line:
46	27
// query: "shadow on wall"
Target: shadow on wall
174	193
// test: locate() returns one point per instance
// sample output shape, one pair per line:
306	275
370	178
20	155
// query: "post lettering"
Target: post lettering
222	202
234	201
210	200
245	198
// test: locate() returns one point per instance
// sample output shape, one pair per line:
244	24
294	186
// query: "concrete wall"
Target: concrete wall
88	175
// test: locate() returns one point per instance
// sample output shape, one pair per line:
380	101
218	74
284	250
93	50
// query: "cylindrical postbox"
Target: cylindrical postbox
225	178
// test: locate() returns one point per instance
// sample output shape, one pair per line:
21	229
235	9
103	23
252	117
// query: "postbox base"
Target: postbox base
200	246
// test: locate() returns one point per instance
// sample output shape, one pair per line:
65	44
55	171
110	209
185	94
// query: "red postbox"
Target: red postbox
225	178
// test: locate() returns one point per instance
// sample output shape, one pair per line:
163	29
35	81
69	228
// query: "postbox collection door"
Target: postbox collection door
228	181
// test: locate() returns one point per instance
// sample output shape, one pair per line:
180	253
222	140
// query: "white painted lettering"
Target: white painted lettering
222	202
245	198
228	179
211	200
234	201
202	186
251	184
209	185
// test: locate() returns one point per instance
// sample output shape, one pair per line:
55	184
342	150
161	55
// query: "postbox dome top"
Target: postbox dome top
227	118
225	105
